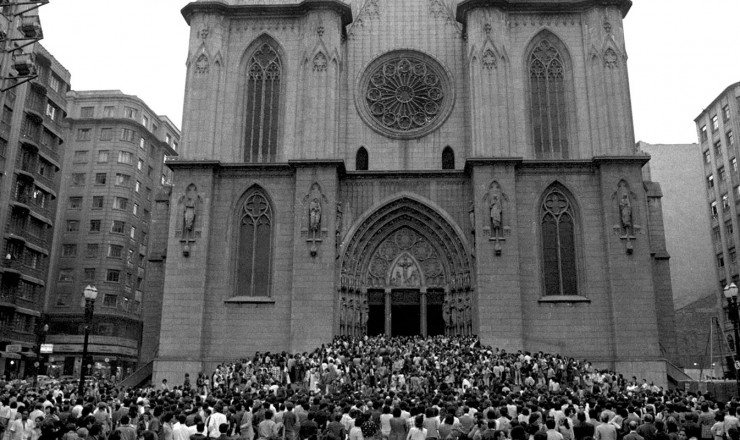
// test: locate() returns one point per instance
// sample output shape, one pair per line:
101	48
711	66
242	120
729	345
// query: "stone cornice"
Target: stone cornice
316	163
271	10
537	6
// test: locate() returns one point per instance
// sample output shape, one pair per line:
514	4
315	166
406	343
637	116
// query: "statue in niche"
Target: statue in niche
190	209
339	226
461	316
365	314
350	314
314	215
343	313
625	206
495	200
471	216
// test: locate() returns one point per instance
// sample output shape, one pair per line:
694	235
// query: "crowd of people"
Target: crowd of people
379	388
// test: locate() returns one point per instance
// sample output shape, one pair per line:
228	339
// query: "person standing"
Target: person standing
418	432
22	428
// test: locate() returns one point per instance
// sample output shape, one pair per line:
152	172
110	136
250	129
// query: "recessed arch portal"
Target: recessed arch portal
405	255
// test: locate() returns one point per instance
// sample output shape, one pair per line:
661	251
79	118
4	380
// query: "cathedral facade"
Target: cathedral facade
416	167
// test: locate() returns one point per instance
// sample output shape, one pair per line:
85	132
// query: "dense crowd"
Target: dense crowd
377	388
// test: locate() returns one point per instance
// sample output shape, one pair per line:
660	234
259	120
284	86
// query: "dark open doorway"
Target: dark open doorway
376	320
405	320
435	322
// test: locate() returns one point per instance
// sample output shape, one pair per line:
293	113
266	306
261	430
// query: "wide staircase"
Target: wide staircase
138	378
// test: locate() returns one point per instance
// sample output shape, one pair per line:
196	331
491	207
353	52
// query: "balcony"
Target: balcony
35	106
20	268
30	137
142	249
24	234
50	155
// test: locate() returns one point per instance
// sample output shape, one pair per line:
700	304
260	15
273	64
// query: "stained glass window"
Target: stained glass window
558	244
255	247
262	105
547	102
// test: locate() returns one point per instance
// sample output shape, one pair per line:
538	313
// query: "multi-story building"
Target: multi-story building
31	138
113	167
417	167
718	126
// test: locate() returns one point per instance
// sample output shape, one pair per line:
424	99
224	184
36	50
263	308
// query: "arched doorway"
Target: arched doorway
405	270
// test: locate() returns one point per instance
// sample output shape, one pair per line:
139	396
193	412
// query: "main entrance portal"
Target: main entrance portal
406	271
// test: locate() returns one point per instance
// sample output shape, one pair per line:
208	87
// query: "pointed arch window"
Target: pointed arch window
255	245
548	106
448	159
361	160
558	244
264	72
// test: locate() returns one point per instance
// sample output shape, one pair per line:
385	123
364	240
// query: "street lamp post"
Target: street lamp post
40	339
730	292
91	293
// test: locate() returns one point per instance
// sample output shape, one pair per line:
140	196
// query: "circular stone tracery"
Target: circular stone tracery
405	94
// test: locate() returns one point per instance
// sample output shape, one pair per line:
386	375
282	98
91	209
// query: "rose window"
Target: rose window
405	94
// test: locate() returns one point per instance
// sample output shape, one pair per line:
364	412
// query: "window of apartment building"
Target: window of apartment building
83	134
174	146
51	111
142	143
130	261
63	299
125	157
720	260
100	178
716	233
718	148
721	174
69	250
137	186
55	83
109	111
113	276
75	203
168	139
115	250
120	203
733	256
726	113
73	225
92	250
123	179
714	209
146	216
730	138
97	202
86	112
132	233
148	193
90	274
136	209
715	123
737	192
103	156
106	134
127	135
733	164
118	226
145	121
725	202
710	182
728	228
149	171
130	112
80	156
31	258
140	165
95	225
66	275
704	135
78	179
110	300
707	157
154	128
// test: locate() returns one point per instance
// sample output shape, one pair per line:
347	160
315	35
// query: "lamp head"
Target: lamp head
730	291
90	292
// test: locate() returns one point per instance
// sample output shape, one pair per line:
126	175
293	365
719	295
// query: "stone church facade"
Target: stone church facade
412	167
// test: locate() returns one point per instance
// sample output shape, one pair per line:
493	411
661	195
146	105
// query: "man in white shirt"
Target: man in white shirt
215	420
181	431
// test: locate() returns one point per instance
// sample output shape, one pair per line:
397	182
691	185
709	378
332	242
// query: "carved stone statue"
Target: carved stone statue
314	215
495	208
190	205
625	207
343	313
453	316
365	315
446	313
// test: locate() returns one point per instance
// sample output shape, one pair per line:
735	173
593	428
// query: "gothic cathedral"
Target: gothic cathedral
415	167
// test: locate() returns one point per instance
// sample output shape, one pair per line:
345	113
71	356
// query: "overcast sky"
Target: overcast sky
682	55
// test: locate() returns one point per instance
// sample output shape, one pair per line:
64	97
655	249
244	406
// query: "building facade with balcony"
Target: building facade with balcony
114	166
31	136
717	127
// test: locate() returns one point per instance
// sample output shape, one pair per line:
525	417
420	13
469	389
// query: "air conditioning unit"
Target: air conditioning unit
24	64
30	27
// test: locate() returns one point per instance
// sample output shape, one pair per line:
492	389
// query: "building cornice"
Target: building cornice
538	6
270	10
708	109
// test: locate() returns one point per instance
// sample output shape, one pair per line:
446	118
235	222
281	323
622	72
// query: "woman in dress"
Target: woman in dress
385	422
398	426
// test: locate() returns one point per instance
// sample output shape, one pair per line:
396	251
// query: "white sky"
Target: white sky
683	53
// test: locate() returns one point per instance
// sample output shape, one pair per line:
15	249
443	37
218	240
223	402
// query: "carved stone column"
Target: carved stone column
388	312
423	306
